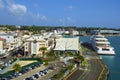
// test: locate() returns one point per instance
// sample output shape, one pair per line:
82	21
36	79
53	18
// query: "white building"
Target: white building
2	46
75	32
11	40
67	44
33	44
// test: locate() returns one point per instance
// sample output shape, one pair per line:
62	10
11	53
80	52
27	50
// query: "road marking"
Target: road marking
101	66
70	74
87	71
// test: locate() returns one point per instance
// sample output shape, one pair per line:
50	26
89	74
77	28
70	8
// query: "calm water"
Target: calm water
112	62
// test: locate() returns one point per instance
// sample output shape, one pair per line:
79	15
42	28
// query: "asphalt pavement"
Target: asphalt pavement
93	71
30	73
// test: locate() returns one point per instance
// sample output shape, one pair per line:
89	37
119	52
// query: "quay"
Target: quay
96	70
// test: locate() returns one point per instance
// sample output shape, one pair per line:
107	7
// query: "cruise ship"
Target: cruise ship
101	45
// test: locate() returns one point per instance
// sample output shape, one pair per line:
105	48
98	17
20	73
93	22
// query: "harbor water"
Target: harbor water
112	62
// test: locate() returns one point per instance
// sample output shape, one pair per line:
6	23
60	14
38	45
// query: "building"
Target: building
2	46
67	44
106	32
73	32
9	37
11	40
33	44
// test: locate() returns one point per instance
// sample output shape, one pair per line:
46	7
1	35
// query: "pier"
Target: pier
96	69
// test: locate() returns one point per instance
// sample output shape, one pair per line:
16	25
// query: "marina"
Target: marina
101	45
112	62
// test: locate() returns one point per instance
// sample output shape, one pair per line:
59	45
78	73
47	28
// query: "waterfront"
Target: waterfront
112	62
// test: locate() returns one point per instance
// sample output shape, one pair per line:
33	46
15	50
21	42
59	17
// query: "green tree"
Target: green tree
43	49
81	58
51	54
70	66
84	63
69	53
26	33
17	67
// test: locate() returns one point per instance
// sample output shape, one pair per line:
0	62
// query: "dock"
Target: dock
96	69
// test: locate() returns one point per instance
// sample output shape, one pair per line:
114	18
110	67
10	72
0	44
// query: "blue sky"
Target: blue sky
95	13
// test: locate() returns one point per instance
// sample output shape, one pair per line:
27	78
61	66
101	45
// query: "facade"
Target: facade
2	45
11	40
33	44
9	37
74	32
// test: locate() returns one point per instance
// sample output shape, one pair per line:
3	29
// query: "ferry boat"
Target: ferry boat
101	45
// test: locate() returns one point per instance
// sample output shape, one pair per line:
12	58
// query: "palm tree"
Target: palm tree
17	67
84	63
81	58
69	53
43	49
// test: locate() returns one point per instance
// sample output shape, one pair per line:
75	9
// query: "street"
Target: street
93	71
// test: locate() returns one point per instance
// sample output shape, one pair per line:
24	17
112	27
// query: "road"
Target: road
76	74
92	73
94	70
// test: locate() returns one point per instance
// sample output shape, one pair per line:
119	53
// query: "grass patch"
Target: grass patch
59	75
23	66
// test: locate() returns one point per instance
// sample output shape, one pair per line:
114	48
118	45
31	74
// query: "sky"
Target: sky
80	13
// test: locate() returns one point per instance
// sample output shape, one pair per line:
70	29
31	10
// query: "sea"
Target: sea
112	62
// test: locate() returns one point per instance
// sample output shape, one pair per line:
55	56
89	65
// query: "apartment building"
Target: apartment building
33	44
11	40
2	46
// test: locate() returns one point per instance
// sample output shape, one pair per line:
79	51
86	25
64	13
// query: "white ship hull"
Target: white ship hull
102	48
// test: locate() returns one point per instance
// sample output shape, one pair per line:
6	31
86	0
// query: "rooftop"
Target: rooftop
63	44
1	39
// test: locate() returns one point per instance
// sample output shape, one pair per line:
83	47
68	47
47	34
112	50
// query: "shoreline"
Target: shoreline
91	35
105	71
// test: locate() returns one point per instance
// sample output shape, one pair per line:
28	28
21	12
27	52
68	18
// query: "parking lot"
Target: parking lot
30	73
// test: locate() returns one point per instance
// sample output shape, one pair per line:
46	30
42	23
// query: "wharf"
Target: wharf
96	70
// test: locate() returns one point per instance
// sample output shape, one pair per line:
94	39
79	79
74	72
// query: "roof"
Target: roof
63	44
35	38
1	39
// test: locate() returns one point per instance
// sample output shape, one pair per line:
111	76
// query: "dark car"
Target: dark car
15	74
10	77
4	79
36	76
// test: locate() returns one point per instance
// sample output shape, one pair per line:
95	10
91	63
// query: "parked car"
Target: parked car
36	76
10	77
4	79
41	73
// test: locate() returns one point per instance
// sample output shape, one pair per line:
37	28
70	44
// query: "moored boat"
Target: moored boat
101	45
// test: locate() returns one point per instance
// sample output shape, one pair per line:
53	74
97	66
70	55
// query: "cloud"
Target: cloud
69	19
41	17
1	4
16	9
66	21
70	8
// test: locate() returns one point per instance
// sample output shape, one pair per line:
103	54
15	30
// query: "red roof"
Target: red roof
2	39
